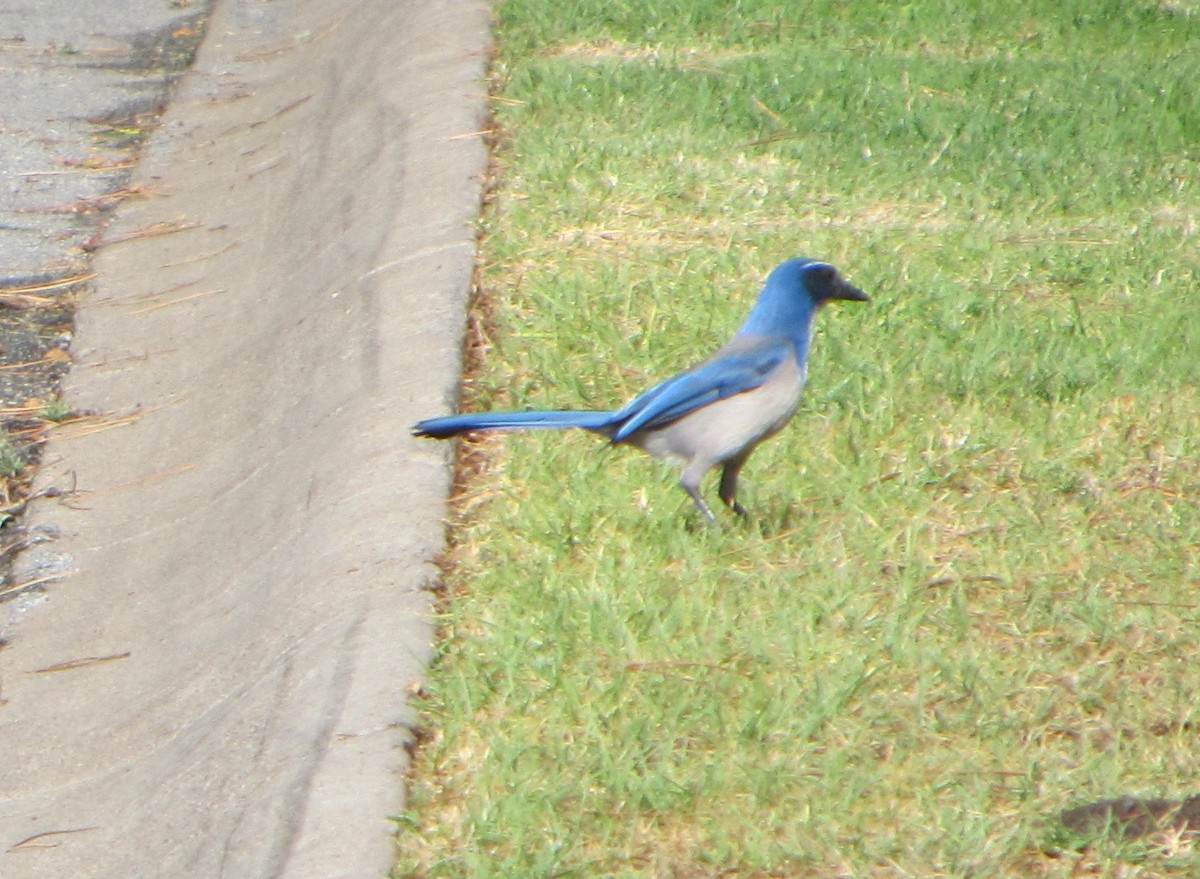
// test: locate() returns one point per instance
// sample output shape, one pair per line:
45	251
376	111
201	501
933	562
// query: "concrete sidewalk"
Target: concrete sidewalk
216	685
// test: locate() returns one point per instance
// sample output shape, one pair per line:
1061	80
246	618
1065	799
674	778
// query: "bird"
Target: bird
717	412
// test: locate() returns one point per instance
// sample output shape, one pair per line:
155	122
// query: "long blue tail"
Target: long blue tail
453	425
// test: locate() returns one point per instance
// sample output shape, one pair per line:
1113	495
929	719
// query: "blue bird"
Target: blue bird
717	412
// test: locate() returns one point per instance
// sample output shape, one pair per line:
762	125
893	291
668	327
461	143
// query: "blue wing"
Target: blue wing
726	374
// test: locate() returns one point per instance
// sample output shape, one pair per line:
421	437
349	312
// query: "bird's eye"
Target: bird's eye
821	277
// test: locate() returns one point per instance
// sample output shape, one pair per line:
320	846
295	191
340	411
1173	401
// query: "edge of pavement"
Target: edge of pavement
236	551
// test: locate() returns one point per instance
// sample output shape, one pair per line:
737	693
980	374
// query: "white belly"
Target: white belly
718	432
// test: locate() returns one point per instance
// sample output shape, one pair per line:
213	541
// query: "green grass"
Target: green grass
967	596
12	462
57	410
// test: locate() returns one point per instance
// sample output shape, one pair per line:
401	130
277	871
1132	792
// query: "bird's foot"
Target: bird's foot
694	494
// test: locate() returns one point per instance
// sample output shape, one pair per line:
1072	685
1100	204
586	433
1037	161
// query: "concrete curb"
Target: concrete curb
216	686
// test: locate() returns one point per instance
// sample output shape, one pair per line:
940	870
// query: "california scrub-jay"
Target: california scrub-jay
715	413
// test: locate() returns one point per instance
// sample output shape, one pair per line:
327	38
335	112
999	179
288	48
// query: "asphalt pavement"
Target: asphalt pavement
210	677
82	85
76	78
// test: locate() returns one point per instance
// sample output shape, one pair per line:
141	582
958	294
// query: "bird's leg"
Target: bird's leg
729	481
691	485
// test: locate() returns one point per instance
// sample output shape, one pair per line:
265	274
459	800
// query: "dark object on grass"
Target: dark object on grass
1133	818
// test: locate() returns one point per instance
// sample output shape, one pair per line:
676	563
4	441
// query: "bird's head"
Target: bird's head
818	280
792	294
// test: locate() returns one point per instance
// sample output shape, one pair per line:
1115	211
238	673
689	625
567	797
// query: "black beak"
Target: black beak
849	291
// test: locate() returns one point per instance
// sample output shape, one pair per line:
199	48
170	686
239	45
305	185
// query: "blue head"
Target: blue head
791	296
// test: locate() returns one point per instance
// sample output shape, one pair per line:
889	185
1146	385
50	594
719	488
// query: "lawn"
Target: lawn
967	594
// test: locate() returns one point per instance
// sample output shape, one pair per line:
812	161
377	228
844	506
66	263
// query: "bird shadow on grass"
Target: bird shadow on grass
1131	828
